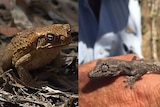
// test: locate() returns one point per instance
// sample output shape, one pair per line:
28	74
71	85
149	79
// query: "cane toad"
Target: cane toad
34	48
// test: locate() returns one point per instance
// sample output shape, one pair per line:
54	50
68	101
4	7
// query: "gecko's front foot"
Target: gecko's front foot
130	80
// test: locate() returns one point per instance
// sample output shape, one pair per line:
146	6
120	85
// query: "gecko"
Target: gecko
133	70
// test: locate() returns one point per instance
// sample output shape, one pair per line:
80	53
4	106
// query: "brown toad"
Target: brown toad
34	48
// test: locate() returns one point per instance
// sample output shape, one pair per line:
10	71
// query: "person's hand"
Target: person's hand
110	92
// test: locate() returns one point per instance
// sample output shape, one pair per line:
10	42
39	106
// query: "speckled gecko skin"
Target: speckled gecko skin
133	69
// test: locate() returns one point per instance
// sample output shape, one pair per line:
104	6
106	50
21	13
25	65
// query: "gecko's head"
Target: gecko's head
104	68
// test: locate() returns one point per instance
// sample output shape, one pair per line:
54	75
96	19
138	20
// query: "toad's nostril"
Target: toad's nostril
62	38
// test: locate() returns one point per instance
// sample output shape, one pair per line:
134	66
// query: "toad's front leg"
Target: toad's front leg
23	71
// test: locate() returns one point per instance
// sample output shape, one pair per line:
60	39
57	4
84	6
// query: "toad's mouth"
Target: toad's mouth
42	43
50	46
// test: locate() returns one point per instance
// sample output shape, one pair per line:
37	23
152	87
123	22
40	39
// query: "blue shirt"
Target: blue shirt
117	32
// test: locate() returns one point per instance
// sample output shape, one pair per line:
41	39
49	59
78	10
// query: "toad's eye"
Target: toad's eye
51	37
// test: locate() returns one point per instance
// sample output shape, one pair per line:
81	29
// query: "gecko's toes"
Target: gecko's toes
124	81
129	82
129	86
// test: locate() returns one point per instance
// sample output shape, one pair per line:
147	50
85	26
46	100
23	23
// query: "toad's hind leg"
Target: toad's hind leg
23	72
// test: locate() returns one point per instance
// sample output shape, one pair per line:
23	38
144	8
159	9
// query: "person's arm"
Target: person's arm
111	91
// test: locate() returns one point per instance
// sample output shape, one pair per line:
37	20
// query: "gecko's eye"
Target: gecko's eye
104	68
51	37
